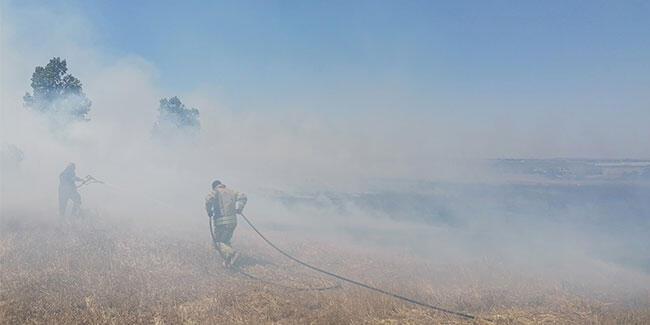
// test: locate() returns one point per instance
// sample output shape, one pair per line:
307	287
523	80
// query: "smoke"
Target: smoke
308	174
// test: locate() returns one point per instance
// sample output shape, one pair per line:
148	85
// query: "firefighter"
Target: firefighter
222	205
68	190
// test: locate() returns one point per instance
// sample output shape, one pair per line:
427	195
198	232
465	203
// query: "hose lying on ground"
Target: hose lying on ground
252	277
394	295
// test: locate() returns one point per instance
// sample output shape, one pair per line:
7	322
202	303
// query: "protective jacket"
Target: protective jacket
223	204
67	181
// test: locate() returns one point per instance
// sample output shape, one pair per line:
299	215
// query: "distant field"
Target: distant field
96	272
576	169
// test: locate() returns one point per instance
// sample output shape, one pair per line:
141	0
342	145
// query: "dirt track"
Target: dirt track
102	273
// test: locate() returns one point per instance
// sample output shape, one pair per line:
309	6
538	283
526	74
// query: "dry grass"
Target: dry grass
101	273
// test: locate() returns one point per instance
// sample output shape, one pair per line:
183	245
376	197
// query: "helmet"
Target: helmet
215	184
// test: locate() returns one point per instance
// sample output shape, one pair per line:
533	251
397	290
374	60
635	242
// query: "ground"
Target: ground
103	272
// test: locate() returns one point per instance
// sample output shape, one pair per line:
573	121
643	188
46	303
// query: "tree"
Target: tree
57	93
174	118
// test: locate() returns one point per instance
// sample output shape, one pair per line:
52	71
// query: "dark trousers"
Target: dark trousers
69	194
222	237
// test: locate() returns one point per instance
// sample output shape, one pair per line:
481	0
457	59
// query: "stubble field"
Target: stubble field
101	272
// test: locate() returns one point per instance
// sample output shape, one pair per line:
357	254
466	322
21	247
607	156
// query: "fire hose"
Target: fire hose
357	283
89	180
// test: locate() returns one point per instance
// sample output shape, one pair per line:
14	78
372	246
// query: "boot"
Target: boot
233	259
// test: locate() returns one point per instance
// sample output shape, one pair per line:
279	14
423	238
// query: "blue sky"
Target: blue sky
429	51
588	61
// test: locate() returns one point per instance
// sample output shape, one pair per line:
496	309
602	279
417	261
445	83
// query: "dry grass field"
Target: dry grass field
94	272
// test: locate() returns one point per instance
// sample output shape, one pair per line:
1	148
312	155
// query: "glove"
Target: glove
210	214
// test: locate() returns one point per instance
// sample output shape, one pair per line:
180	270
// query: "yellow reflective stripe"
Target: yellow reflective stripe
225	220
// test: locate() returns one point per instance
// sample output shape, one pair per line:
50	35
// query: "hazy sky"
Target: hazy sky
574	71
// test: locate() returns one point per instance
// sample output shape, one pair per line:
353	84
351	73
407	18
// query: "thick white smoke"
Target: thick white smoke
275	154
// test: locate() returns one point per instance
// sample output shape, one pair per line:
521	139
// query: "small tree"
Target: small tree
174	118
57	94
